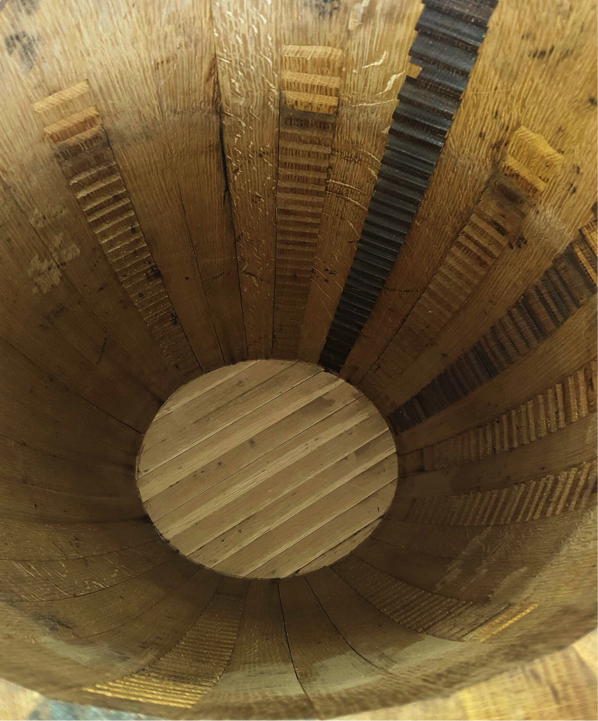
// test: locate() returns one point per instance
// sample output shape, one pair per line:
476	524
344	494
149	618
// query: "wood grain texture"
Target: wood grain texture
550	495
551	60
442	56
85	356
44	200
570	346
83	150
248	76
188	91
565	402
552	453
265	686
375	39
527	691
180	677
332	674
515	187
126	92
265	471
310	86
246	139
563	288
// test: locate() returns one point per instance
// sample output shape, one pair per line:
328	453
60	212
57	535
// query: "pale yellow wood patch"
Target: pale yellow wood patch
266	468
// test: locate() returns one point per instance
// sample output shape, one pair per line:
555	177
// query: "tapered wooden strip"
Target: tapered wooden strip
517	503
419	664
241	690
71	137
418	261
547	673
20	501
83	356
67	425
38	541
157	626
39	461
469	259
415	133
147	635
251	151
554	453
424	555
149	104
309	88
44	198
59	579
420	610
570	347
327	667
526	324
189	96
181	677
119	604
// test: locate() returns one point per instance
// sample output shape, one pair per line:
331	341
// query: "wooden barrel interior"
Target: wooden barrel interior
189	185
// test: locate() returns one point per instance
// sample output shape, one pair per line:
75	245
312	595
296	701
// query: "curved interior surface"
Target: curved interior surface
400	192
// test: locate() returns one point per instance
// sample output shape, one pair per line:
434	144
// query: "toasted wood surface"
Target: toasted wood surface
265	468
190	193
551	63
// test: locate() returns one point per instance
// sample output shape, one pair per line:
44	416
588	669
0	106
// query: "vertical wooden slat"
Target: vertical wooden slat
310	85
63	337
126	95
45	200
333	675
186	75
260	680
543	55
247	51
376	39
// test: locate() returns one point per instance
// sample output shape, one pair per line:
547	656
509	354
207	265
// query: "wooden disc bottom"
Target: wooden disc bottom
267	468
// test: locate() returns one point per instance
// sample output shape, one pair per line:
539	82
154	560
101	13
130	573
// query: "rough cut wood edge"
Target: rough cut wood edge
563	403
310	84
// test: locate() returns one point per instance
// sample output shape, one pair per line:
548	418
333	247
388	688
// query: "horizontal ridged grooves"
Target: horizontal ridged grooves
310	85
560	405
501	622
548	496
494	225
83	151
180	677
414	608
445	48
563	288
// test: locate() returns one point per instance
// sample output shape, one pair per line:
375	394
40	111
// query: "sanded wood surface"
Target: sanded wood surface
265	468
